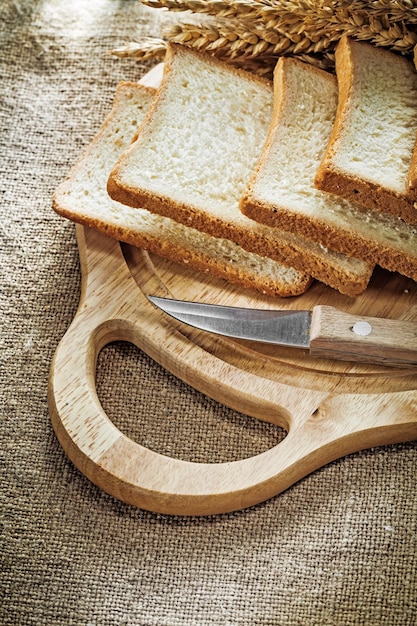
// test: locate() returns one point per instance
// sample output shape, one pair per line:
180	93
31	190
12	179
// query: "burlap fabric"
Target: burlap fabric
336	549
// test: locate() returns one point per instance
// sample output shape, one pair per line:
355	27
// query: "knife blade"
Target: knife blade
325	331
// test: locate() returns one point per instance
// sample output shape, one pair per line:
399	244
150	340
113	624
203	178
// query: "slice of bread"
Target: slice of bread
370	150
194	154
281	191
83	198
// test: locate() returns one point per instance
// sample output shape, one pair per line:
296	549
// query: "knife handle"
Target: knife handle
338	335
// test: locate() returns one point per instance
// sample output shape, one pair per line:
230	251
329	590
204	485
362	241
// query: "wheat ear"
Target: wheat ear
255	33
381	22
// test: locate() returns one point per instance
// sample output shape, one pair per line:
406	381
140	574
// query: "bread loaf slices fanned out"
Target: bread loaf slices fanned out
370	150
83	198
281	191
194	154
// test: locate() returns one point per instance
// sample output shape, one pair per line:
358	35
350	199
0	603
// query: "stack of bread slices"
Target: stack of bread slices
268	184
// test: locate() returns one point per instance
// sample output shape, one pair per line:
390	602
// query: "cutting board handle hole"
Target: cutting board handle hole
162	413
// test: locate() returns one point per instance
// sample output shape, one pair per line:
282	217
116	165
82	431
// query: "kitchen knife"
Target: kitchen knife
325	331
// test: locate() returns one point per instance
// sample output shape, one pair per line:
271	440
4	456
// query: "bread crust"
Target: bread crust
278	246
412	174
349	242
334	179
189	257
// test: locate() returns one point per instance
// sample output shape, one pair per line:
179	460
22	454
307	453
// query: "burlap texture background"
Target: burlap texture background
337	549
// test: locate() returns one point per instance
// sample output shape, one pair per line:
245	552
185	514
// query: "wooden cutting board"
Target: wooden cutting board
329	409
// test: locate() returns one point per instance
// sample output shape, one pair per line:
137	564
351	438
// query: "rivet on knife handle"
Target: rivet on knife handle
347	337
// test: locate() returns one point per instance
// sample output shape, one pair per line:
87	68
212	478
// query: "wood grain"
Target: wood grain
334	334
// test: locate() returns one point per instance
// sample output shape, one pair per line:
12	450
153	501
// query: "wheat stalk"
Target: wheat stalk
244	38
218	8
383	22
256	32
148	48
396	10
